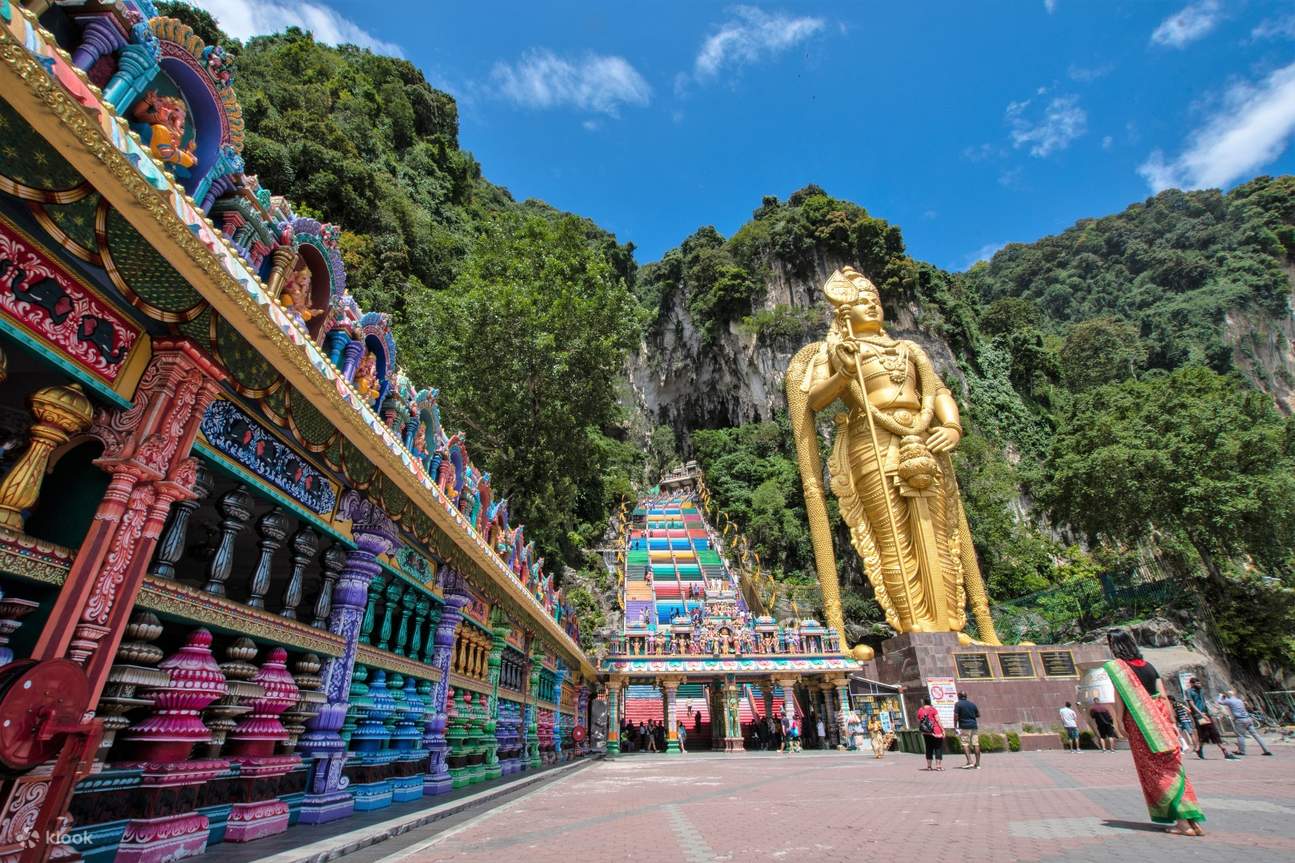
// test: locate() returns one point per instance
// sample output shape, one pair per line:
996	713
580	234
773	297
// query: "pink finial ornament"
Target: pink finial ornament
174	728
257	735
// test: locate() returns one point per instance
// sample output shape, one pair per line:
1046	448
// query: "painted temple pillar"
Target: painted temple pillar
828	714
498	638
788	687
559	678
732	715
532	758
437	780
326	796
670	691
614	715
146	454
582	717
137	65
842	686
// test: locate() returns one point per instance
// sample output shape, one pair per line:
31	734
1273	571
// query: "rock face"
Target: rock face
1263	348
685	381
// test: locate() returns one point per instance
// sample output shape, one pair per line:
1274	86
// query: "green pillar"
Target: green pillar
532	709
476	742
370	610
613	717
499	634
456	738
393	594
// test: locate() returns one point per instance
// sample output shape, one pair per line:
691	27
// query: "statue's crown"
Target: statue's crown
846	285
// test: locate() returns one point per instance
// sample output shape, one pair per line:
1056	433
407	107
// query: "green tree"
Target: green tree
527	347
1101	351
1191	451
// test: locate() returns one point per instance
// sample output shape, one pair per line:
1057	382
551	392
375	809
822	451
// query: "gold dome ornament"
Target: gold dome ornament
60	411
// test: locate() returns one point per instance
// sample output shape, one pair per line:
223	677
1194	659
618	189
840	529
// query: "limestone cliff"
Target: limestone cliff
686	379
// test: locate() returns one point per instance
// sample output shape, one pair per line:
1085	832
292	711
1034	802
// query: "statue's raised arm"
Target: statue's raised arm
889	468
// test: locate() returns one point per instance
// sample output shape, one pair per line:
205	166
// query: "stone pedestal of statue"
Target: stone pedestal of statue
1013	685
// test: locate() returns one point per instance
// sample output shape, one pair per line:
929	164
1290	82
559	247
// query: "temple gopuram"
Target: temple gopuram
249	577
697	646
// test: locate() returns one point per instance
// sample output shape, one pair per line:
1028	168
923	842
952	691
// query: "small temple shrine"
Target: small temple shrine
697	646
249	575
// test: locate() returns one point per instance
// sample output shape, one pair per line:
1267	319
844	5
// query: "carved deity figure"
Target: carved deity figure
163	120
366	377
295	296
889	467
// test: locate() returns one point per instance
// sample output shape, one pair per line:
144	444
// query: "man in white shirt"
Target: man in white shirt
1070	720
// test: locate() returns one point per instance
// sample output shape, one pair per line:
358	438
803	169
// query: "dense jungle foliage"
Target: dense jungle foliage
1111	437
520	314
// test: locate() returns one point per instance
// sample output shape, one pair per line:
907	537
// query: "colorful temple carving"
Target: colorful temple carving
697	646
266	583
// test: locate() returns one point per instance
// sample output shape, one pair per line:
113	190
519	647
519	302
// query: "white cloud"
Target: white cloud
597	83
1252	129
1107	142
748	36
1050	5
980	152
1188	24
1060	122
1088	74
1010	178
1274	28
244	19
984	253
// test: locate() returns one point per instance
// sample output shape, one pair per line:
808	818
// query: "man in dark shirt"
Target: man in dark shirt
966	719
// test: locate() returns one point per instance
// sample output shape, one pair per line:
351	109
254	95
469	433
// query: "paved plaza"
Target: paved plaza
1041	806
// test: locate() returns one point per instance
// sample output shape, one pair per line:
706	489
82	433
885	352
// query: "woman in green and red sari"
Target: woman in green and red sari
1148	722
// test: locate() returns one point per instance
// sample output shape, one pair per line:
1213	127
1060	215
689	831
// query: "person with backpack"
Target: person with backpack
928	722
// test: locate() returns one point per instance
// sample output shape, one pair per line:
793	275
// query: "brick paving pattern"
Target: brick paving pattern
1040	806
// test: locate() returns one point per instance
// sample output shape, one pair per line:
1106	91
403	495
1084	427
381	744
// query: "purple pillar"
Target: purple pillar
582	717
351	355
437	780
326	797
100	37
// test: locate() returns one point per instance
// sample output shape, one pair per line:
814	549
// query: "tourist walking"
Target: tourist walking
1070	721
928	722
1207	730
821	730
1242	722
649	738
682	731
877	735
1148	724
1186	727
1103	726
966	721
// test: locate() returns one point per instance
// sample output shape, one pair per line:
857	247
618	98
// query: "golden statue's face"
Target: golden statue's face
865	314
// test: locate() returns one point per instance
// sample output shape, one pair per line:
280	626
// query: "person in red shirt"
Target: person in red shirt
928	722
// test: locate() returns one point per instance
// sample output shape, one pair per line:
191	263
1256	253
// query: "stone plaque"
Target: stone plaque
1016	665
974	666
1058	663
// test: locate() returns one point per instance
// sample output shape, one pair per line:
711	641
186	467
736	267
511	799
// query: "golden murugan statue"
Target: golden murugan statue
889	467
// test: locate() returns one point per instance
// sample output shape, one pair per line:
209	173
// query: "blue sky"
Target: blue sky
970	125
